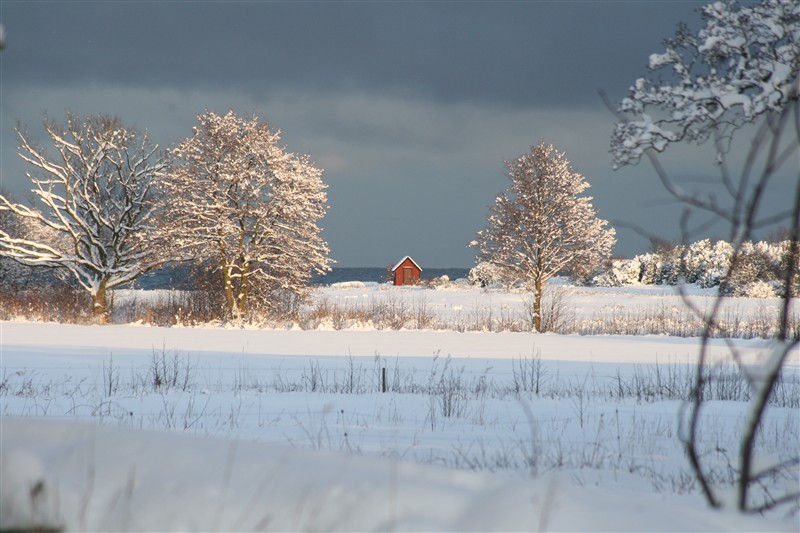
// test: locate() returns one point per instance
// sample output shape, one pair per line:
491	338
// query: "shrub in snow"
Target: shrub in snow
649	268
755	262
758	289
695	260
486	274
349	285
646	269
620	272
706	264
440	282
602	279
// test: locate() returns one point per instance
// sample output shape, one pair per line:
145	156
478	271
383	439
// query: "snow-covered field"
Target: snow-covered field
143	428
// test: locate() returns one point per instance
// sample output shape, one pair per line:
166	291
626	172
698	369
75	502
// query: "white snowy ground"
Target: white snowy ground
288	430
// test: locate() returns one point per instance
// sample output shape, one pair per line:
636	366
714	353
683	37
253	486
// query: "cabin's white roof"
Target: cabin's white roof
395	267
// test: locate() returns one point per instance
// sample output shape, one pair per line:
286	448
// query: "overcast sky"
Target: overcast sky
410	107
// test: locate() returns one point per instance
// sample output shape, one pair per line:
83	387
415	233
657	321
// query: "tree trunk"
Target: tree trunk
537	306
100	305
228	283
243	289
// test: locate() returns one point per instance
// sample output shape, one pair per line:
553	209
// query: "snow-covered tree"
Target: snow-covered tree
740	68
238	199
94	205
742	65
541	225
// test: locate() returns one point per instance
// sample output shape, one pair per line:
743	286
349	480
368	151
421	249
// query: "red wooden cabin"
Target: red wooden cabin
406	272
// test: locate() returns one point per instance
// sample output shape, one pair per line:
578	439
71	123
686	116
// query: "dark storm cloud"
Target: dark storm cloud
411	107
517	53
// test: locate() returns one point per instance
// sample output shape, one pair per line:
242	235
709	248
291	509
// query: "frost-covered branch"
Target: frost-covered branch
741	65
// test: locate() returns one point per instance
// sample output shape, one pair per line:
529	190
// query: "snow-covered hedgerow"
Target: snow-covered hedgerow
758	268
